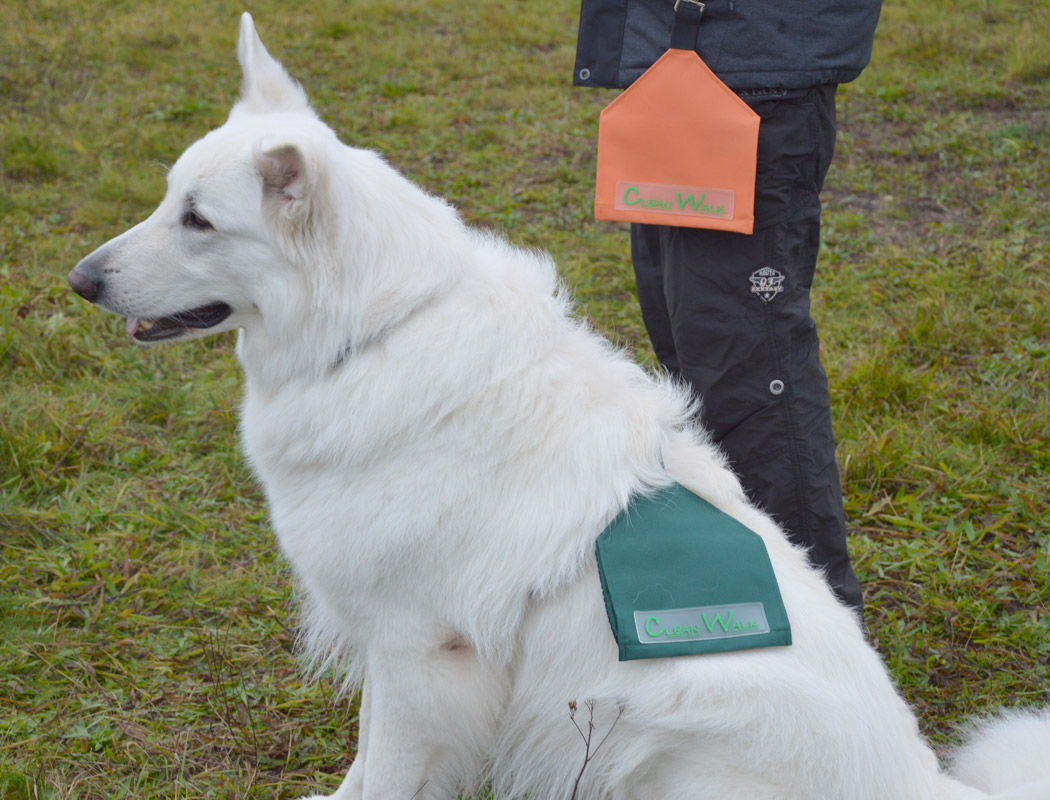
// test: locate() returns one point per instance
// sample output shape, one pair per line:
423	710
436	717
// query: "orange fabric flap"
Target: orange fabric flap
678	147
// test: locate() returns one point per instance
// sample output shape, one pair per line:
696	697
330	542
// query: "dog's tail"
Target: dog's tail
1007	756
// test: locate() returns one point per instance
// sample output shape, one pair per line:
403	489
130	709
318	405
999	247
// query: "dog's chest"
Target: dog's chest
349	500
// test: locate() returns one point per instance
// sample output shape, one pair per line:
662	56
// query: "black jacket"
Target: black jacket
750	44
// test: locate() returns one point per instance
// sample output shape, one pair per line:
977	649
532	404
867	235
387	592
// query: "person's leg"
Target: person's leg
649	281
738	311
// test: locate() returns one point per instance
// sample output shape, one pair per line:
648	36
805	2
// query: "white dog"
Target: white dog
441	443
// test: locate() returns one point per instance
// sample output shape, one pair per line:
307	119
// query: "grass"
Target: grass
146	621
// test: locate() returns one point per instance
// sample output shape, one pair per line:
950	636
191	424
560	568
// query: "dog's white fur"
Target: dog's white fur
441	442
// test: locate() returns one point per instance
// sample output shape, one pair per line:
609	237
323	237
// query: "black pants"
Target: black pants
730	313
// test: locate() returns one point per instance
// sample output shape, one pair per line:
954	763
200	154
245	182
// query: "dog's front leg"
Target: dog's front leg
353	785
426	717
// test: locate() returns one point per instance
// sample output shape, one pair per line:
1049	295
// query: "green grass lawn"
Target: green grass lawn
146	619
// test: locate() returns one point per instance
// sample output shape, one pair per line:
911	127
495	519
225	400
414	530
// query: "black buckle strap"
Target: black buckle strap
687	14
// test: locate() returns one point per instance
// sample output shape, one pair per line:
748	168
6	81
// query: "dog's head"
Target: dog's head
236	241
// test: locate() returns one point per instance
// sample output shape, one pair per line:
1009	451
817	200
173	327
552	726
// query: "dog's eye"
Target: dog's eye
191	219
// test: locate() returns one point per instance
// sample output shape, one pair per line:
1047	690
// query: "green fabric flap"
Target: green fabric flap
682	578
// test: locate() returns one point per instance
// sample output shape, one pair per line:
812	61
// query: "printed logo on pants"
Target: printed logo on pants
767	283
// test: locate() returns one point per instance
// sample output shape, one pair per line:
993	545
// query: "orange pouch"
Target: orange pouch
678	147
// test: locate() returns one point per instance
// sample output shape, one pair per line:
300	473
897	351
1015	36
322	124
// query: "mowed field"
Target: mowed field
147	620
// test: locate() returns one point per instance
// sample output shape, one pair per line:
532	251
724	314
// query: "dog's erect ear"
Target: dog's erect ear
286	177
266	86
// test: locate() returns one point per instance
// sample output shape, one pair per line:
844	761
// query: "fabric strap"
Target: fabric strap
686	24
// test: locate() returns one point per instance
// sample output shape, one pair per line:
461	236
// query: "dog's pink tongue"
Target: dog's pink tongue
132	326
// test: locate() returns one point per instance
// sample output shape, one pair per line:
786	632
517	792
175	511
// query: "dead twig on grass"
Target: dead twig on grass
588	754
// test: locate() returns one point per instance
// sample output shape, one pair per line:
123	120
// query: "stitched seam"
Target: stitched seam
802	510
623	36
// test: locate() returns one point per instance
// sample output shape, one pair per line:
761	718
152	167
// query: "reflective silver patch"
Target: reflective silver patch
704	622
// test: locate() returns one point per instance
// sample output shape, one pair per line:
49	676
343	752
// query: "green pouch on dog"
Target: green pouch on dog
682	578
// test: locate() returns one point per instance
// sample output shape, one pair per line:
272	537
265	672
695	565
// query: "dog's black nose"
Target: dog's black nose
83	284
86	277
